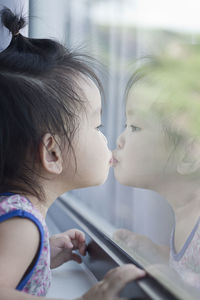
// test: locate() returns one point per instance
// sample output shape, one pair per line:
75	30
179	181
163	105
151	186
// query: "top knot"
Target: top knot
11	21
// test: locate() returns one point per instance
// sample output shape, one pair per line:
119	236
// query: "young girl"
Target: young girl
50	114
159	150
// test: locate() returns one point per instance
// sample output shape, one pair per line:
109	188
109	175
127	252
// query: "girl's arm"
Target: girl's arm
19	244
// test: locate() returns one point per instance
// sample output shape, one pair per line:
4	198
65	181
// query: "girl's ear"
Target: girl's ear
50	154
189	163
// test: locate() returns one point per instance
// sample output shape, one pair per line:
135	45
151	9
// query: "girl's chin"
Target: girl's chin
123	179
120	178
98	180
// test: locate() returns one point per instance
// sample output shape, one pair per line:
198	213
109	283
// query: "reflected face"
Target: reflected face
143	149
90	145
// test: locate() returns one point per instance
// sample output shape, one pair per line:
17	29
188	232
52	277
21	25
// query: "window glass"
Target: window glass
149	204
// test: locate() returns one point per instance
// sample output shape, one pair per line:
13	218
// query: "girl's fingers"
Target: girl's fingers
78	245
72	239
61	241
78	240
68	242
75	234
123	234
122	275
82	249
113	282
80	236
76	258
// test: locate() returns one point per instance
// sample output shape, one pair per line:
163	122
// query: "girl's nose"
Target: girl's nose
120	141
105	139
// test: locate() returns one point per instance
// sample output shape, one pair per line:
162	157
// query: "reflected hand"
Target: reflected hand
63	244
113	282
143	246
132	239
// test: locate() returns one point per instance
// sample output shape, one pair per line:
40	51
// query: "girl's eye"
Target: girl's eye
134	128
99	127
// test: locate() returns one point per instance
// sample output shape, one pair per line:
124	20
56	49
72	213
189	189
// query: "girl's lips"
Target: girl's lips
111	161
114	162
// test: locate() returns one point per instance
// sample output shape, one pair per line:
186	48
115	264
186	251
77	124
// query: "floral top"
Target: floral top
37	279
187	261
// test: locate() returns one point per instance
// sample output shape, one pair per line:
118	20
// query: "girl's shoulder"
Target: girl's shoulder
17	205
11	202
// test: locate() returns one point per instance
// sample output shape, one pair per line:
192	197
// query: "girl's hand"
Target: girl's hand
114	281
63	244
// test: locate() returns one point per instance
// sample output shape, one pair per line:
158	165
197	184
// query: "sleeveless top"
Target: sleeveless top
187	261
37	279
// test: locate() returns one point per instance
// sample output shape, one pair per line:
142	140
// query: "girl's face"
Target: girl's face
93	157
143	154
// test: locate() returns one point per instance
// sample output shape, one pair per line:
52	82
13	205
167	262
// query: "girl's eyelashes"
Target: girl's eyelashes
133	127
99	127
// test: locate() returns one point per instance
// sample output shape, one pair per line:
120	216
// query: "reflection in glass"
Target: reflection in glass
118	33
160	150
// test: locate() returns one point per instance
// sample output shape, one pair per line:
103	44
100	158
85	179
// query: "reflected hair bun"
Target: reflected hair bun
11	21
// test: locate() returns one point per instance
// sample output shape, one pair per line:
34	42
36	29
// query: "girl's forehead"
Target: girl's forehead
140	100
176	109
91	95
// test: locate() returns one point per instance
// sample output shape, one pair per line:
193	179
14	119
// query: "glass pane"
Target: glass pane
151	211
149	204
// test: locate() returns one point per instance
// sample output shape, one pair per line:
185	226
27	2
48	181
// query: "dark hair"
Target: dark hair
39	93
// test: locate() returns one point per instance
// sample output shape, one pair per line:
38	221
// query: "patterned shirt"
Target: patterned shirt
37	279
187	261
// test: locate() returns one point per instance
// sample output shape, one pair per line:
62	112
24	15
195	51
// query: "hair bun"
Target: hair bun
11	21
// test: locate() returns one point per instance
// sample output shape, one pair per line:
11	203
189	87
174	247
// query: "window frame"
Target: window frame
104	254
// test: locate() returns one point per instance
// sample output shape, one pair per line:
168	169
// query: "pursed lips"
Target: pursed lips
115	161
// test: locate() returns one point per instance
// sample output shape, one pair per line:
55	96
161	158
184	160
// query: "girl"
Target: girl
162	140
50	114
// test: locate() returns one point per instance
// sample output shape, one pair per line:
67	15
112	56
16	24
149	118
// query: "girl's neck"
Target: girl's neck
52	190
41	206
184	197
